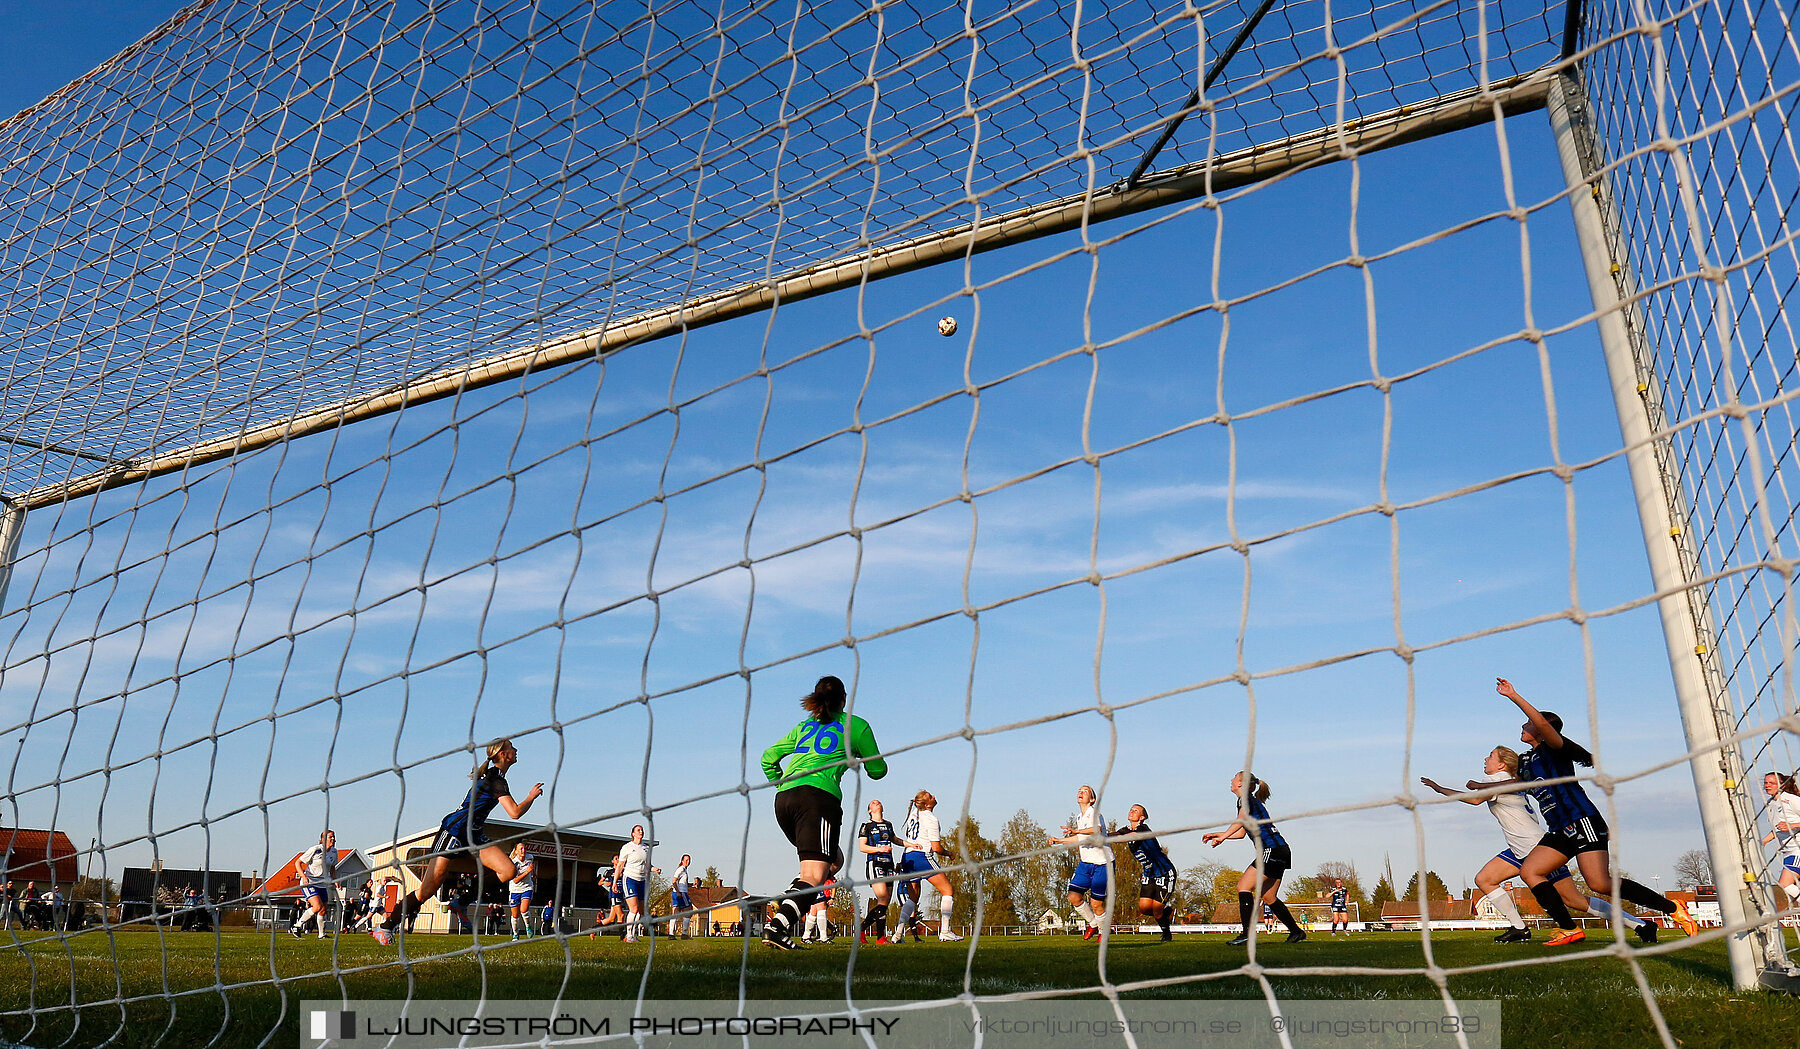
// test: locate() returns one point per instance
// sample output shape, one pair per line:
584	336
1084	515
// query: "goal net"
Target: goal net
1121	394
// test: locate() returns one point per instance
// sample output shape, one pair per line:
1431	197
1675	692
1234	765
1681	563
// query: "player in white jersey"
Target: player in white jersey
680	902
1093	872
521	889
317	868
634	858
1784	815
923	839
1523	832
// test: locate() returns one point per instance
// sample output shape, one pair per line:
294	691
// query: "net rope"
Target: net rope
261	212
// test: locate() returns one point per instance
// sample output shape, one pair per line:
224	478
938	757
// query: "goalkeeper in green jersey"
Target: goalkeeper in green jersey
810	803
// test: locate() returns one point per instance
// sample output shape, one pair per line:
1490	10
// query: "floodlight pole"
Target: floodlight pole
1717	767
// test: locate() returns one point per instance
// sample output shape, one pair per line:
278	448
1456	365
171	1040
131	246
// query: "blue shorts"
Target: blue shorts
519	898
1506	856
314	892
1791	862
680	901
918	864
1089	878
636	890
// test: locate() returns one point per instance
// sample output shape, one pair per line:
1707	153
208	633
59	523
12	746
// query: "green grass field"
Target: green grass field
233	997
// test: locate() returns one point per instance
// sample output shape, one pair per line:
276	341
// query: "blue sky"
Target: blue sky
402	604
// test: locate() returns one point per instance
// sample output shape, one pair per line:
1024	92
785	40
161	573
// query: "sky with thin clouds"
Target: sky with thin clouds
480	567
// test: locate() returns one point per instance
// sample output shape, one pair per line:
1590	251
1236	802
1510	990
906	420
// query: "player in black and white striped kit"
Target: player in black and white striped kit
875	840
1156	896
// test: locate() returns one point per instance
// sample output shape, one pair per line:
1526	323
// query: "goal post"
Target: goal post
1719	776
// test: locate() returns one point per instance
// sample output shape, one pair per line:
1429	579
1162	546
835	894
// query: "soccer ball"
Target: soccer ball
947	326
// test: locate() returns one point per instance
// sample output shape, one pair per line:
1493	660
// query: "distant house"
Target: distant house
725	906
1406	912
45	856
1051	922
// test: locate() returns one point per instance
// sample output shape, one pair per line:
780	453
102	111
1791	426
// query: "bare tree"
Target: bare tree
1693	868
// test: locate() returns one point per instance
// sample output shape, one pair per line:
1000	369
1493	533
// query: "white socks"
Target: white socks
1087	913
908	907
946	904
1793	891
1503	902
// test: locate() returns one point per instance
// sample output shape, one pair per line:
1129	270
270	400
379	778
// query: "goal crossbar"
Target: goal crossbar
1452	112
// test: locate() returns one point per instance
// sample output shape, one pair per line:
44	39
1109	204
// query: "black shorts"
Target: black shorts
811	818
878	868
1277	862
1162	889
449	843
1587	834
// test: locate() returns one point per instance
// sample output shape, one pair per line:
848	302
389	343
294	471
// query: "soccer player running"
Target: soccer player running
634	864
875	840
680	903
521	889
465	830
923	838
1273	857
1088	885
1577	830
1784	813
809	804
1156	896
317	868
1523	832
1340	907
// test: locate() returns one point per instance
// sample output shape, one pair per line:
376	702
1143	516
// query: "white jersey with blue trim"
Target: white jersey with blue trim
526	880
1090	819
1785	808
680	883
1521	827
922	832
635	858
320	865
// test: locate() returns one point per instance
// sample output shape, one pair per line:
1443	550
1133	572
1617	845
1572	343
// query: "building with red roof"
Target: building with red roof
46	856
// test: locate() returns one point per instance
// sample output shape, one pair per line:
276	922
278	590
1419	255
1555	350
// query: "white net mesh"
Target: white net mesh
338	441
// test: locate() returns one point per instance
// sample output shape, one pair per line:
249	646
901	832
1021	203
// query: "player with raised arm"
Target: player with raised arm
317	868
809	804
1340	907
1784	815
923	838
1088	886
681	904
1156	896
875	840
1523	832
1577	830
1273	857
521	889
634	865
465	830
